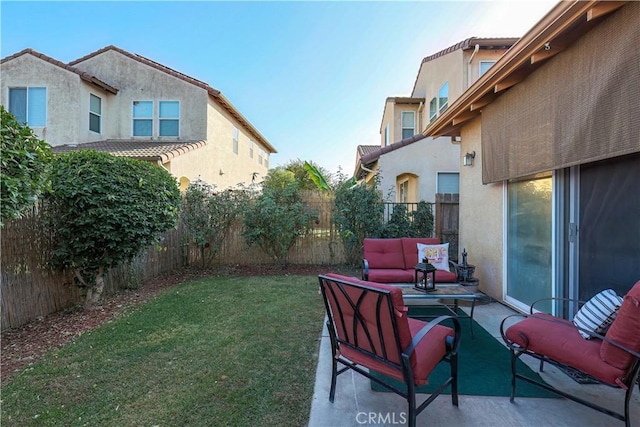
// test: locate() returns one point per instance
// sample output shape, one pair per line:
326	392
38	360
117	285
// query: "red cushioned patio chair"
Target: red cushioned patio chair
612	359
370	330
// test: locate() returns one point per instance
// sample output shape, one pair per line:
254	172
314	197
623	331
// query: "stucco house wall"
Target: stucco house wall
424	159
481	219
119	78
582	35
388	120
139	82
63	89
236	168
433	73
84	133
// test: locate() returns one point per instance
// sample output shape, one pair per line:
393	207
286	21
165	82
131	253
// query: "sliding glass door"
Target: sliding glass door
609	226
529	241
573	234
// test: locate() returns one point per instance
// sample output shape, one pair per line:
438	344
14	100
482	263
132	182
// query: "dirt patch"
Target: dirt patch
21	347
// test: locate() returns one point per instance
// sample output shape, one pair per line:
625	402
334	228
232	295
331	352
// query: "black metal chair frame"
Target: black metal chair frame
452	345
517	351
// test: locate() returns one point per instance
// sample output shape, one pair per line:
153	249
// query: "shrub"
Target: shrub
24	162
399	224
104	210
209	214
422	224
357	213
278	216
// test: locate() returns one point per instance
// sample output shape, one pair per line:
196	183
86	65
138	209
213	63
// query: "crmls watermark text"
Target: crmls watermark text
387	418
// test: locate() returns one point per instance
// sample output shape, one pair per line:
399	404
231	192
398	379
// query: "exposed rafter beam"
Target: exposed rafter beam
463	117
549	50
510	80
481	102
603	8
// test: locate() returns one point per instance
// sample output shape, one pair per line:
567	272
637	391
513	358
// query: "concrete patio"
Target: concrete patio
356	405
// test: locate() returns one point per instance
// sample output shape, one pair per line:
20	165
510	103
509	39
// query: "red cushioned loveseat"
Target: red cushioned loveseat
393	260
612	359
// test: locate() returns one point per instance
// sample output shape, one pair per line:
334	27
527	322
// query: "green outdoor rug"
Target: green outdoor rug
484	366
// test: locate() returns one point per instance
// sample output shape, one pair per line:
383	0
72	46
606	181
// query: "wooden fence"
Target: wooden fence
447	214
29	289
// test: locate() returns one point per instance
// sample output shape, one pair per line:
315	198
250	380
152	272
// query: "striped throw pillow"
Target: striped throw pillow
597	314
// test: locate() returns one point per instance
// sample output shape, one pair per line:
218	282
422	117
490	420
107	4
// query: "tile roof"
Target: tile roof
84	76
363	150
404	100
214	93
375	154
137	149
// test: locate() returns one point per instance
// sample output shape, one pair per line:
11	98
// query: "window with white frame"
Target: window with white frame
142	118
266	159
95	113
408	124
433	109
251	148
29	105
169	118
443	97
236	135
448	182
485	65
260	155
386	135
403	192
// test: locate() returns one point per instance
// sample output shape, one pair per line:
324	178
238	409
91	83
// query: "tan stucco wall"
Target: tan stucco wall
140	82
481	216
397	118
393	117
472	70
453	68
423	159
193	165
433	74
86	90
237	168
388	119
200	118
63	89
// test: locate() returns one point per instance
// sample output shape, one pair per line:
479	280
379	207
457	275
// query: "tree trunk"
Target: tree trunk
94	293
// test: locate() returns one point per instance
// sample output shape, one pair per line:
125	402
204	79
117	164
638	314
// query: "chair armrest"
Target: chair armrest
365	269
579	302
453	267
590	333
425	330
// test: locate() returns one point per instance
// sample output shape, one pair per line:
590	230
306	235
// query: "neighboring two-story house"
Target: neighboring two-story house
550	205
411	168
115	101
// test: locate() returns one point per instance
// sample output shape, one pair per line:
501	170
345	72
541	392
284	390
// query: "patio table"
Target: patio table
443	292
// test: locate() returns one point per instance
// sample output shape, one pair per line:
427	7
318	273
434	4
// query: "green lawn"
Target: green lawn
222	351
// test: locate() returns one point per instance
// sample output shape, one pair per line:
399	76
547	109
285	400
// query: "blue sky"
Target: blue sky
312	77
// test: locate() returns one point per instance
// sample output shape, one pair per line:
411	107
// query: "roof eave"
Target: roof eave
84	76
214	93
522	59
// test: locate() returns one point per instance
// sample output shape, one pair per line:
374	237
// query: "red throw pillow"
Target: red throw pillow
625	330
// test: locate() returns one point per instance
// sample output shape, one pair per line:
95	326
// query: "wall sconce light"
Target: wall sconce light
467	160
221	172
